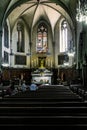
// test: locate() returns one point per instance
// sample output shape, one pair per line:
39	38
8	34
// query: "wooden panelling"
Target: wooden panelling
15	74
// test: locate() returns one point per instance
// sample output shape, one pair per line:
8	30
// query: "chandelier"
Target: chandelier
81	9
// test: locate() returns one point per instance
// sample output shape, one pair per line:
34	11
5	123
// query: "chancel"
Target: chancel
42	76
43	42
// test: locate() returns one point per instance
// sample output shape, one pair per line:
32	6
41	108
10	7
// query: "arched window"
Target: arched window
41	44
6	59
6	35
63	37
20	43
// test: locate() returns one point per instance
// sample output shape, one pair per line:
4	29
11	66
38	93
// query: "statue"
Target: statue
42	63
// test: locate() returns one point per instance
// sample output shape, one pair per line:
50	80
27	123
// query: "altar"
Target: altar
42	76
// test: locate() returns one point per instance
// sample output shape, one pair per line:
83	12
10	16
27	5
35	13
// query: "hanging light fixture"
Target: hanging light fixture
81	9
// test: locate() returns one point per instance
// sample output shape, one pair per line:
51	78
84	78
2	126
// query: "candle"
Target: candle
46	62
51	64
37	61
32	63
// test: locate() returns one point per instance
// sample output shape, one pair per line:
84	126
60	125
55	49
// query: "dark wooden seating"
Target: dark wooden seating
52	106
60	93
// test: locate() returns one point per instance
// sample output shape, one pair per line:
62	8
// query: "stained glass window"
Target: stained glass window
41	45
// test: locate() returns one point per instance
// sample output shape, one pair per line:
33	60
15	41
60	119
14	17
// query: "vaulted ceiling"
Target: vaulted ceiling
32	10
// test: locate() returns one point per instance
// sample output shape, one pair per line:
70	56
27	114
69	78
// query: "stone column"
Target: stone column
0	47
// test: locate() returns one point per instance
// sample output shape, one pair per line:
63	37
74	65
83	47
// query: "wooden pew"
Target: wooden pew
41	108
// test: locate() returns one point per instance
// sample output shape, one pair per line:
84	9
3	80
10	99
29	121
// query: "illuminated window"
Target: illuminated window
6	59
6	36
20	43
63	37
41	45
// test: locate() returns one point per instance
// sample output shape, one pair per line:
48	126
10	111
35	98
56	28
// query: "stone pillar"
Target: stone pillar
0	47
